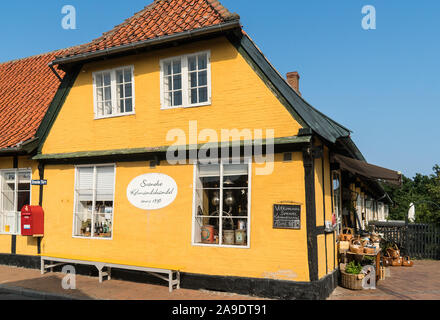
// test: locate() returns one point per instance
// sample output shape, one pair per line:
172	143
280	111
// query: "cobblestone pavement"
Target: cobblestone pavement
90	288
421	282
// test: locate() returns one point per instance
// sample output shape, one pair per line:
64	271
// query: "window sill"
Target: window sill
220	246
92	238
115	116
204	104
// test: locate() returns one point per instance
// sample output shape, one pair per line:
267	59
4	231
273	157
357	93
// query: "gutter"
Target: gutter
146	43
23	148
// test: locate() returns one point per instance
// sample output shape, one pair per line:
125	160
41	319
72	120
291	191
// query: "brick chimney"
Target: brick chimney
293	80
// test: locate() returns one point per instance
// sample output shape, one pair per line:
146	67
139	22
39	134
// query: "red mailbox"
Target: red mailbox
32	221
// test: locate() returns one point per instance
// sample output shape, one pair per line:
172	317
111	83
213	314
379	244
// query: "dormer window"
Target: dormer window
114	92
186	81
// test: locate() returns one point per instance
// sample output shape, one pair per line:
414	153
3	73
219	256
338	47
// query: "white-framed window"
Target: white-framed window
185	81
94	201
114	92
222	204
15	193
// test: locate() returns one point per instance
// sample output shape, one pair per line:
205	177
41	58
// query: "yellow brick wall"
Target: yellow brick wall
240	100
162	238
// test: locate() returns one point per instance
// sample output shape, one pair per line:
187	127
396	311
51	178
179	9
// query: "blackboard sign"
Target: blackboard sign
286	216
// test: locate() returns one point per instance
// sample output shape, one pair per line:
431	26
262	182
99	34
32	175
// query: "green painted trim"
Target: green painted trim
55	106
162	149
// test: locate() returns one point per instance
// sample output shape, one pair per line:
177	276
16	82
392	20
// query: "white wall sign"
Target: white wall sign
152	191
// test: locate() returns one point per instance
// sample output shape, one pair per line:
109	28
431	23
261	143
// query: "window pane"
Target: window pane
9	181
102	227
167	68
210	170
207	230
210	182
177	67
83	220
23	198
235	202
177	82
24	177
107	79
107	93
167	83
104	184
203	76
193	79
203	94
100	109
128	105
194	96
119	76
127	75
100	94
108	108
121	106
168	99
98	78
192	63
8	201
203	61
177	98
128	90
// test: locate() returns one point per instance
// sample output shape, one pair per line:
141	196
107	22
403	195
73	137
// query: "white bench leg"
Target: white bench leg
170	281
178	280
42	266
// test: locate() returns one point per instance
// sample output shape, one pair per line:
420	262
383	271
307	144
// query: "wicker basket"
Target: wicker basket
351	281
356	246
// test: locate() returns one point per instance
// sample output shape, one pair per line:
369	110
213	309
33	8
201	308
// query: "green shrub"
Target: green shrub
353	268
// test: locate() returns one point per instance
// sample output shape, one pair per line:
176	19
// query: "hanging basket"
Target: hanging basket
351	281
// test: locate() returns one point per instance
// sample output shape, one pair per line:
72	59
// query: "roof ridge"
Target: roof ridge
157	19
221	10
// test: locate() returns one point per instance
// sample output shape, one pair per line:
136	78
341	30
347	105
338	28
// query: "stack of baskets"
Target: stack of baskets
393	258
361	246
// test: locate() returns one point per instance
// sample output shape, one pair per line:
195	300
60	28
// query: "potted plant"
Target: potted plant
352	276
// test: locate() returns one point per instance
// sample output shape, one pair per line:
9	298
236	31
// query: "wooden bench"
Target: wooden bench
173	281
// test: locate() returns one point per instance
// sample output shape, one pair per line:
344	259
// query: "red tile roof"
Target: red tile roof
161	18
27	87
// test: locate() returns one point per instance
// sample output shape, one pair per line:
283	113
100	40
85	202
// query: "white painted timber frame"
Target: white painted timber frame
17	214
113	93
194	214
94	198
185	80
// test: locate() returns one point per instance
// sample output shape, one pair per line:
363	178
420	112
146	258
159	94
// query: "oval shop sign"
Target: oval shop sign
152	191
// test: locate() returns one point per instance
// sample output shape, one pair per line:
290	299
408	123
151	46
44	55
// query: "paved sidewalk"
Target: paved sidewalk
30	280
421	282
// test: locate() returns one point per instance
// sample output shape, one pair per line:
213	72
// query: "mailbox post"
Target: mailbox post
32	221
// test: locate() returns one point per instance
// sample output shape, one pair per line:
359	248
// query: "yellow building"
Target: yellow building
173	144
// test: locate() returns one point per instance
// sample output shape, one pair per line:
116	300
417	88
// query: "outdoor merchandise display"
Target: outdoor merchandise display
357	253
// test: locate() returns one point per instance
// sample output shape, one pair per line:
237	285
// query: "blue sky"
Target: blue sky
383	84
